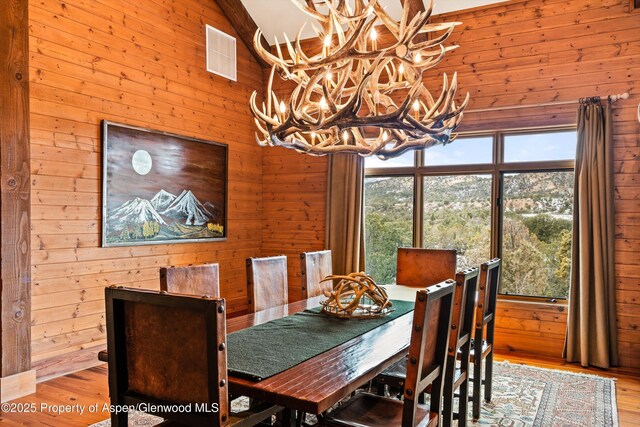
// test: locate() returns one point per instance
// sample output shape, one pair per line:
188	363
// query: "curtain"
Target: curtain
345	218
591	331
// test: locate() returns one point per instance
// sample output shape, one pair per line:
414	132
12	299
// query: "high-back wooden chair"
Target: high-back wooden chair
419	267
425	370
483	341
191	280
459	346
315	266
267	282
169	349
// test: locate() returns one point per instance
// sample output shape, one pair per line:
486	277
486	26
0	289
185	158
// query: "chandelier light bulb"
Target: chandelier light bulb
417	58
323	103
416	105
401	68
385	135
373	34
329	76
327	41
345	136
283	108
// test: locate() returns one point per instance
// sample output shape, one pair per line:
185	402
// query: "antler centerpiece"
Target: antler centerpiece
356	96
356	296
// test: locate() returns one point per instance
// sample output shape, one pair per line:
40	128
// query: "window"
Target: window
536	233
463	151
388	223
506	194
457	214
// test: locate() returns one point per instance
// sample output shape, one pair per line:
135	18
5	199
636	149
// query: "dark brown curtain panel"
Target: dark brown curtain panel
345	208
591	333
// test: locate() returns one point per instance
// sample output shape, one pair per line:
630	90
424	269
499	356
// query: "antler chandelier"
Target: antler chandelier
356	96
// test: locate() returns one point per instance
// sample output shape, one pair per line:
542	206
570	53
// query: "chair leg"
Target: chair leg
447	410
463	404
488	376
380	389
120	419
477	381
287	418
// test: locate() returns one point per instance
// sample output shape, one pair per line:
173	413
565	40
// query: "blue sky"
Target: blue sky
475	150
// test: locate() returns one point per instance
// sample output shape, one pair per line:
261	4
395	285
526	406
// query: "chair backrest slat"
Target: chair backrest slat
463	309
191	280
267	282
315	266
166	349
424	267
428	348
487	292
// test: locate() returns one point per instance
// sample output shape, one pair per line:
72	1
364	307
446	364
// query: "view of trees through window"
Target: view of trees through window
536	233
388	224
535	208
457	215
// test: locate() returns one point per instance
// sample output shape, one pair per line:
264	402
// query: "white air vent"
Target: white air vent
221	53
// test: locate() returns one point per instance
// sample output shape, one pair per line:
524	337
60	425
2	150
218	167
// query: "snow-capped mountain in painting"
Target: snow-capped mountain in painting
136	211
162	200
215	211
188	208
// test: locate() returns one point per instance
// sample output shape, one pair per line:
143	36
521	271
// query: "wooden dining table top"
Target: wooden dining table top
317	384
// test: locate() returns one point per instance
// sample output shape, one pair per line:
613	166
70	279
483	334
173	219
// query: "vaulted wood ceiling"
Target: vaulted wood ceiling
275	15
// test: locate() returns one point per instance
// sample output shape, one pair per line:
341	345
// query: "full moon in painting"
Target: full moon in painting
141	162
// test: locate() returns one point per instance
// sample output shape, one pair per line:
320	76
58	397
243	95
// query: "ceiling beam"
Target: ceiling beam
415	7
244	25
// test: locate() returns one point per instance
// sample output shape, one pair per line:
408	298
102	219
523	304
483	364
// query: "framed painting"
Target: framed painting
161	188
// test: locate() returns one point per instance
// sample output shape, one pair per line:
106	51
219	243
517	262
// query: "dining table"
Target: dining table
320	382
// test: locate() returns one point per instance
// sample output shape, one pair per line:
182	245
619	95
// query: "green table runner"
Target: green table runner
265	350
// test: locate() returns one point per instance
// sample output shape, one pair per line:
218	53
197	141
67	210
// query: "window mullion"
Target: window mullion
418	206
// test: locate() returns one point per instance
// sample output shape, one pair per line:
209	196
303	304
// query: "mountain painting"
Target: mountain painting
161	188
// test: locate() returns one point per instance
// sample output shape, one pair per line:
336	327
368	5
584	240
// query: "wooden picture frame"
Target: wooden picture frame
159	187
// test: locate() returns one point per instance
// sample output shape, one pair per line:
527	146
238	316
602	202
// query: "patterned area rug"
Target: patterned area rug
522	396
529	396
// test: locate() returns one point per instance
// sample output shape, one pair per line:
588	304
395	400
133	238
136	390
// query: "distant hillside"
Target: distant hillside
523	193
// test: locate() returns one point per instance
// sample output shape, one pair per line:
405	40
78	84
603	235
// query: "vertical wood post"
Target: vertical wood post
16	378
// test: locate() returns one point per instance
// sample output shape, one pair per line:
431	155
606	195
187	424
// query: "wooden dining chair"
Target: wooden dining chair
482	344
418	267
267	282
425	370
191	279
315	266
457	378
170	349
459	341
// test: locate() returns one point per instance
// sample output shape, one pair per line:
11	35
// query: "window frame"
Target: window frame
496	169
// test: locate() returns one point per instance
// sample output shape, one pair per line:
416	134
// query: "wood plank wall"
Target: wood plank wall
294	208
294	192
516	53
141	63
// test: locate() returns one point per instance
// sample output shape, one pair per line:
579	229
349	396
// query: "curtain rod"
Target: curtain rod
613	98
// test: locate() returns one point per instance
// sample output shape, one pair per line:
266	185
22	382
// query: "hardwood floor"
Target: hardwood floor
88	389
